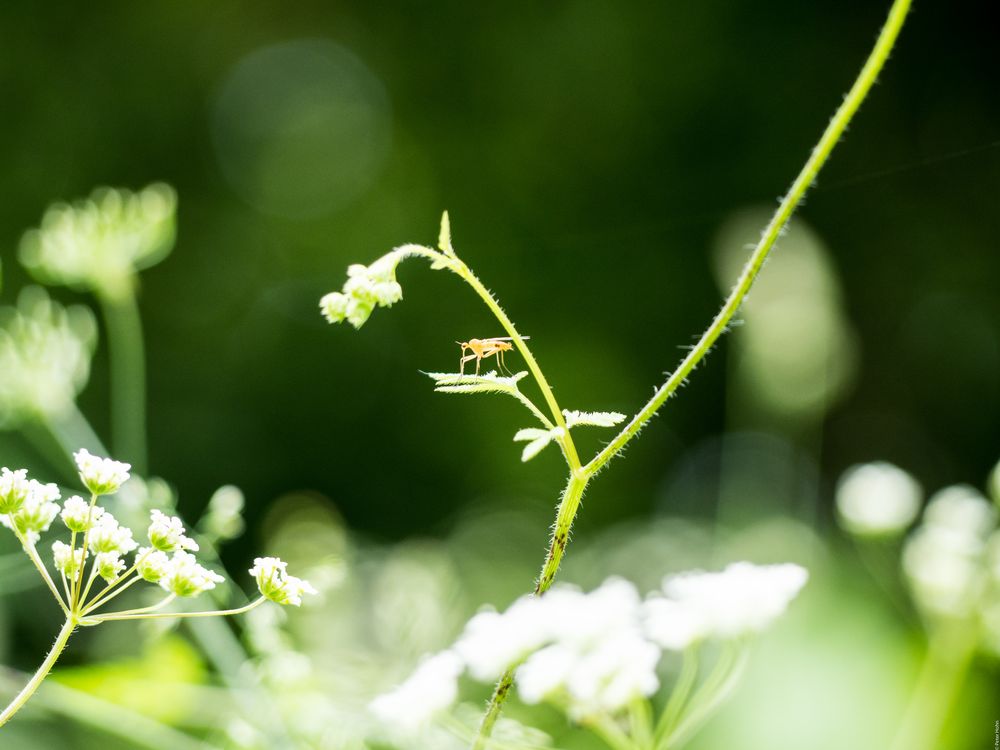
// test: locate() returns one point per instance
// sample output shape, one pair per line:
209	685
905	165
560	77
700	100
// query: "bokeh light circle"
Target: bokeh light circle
301	128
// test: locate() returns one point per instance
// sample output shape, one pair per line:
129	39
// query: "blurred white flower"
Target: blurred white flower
185	577
45	353
99	243
274	582
366	287
672	625
14	488
962	509
493	641
432	688
102	476
744	598
877	499
945	560
76	512
152	565
166	533
106	535
36	512
599	678
66	563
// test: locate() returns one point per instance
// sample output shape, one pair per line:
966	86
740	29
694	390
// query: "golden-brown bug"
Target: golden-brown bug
483	348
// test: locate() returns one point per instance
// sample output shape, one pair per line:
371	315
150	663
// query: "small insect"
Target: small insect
483	348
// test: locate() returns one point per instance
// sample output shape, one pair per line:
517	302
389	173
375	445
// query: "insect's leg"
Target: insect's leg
463	360
479	359
500	363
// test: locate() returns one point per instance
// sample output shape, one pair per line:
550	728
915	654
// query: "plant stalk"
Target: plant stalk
36	679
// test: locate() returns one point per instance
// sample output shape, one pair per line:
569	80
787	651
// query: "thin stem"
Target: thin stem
33	555
78	578
789	203
175	615
713	694
102	595
104	598
36	679
90	581
565	514
151	608
612	734
679	695
641	722
128	378
948	656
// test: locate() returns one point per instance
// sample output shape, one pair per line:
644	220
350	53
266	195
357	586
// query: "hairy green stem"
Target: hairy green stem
580	477
806	177
36	679
128	378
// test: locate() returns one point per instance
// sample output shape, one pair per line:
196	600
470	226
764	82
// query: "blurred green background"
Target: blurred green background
604	165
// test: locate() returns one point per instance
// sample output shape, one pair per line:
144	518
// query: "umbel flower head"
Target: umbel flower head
366	288
36	512
185	577
102	476
274	582
99	243
78	515
166	533
13	489
45	353
593	654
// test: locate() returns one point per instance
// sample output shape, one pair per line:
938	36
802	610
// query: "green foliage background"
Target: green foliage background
589	153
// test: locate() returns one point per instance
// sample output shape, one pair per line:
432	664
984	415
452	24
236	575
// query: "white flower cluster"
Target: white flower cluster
27	506
102	476
99	243
877	499
366	287
274	582
952	560
593	653
166	533
45	353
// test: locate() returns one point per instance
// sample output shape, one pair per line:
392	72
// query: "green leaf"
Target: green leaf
454	382
537	440
592	418
444	237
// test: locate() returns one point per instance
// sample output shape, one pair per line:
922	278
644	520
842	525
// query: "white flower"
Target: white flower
102	476
166	533
98	244
76	511
36	512
946	559
601	678
66	563
744	598
672	625
877	499
961	508
152	565
13	489
491	641
366	287
109	565
185	577
45	353
432	688
275	583
106	535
